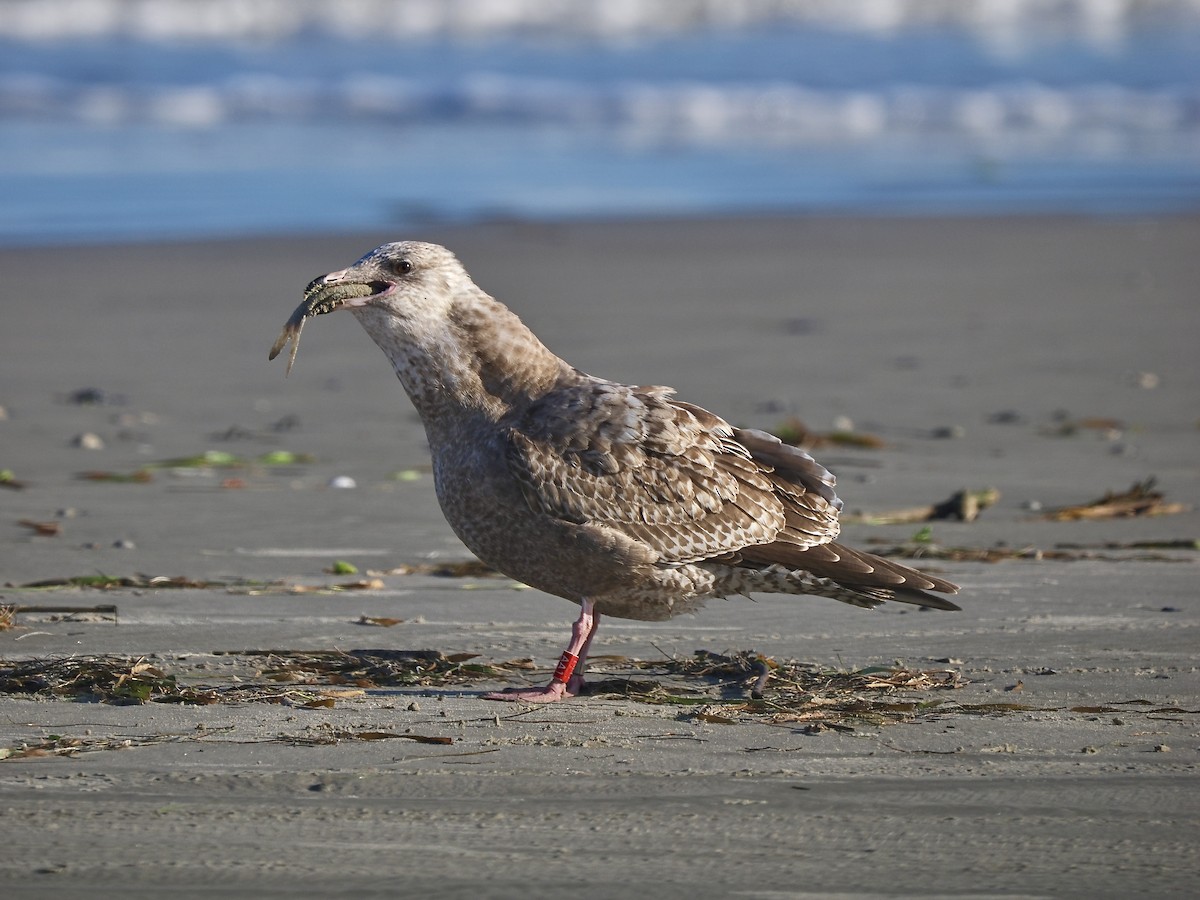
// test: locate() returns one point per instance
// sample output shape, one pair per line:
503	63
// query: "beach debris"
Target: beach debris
362	584
388	736
70	746
109	679
1140	500
1167	544
43	529
706	687
233	433
949	432
141	476
1065	426
963	505
374	668
88	441
746	686
209	459
123	680
285	423
247	587
282	458
8	479
713	687
94	396
379	621
793	431
222	459
341	567
103	582
1063	553
8	617
466	568
1006	417
342	482
58	613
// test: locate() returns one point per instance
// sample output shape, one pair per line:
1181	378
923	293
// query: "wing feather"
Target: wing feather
669	474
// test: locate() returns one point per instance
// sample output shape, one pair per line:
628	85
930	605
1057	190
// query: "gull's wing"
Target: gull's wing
670	475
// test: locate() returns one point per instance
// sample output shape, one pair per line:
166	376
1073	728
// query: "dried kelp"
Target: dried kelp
64	745
279	676
713	687
249	587
210	459
466	568
107	679
379	668
728	689
103	582
793	431
1061	552
706	687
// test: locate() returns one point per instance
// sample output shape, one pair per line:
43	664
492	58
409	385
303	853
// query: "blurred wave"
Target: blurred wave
134	118
777	113
1008	23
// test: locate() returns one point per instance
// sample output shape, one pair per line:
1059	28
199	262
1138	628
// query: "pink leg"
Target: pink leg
568	677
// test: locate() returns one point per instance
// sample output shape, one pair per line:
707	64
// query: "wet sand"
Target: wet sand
1051	359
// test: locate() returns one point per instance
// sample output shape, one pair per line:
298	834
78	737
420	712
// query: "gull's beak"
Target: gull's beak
323	295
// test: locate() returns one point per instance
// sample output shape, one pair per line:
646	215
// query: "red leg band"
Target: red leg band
566	665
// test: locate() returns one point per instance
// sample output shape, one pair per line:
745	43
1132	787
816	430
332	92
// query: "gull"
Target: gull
617	497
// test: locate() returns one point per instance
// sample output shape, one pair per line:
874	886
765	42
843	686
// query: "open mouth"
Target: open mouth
321	297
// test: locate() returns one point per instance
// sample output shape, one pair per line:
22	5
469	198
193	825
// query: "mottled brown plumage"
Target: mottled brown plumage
617	497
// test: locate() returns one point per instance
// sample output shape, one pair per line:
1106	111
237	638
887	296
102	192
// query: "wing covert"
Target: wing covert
670	475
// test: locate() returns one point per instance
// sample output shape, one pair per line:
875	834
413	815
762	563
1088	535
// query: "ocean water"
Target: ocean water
136	119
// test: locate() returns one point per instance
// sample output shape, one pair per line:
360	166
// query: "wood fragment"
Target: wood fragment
1140	500
379	621
45	529
963	505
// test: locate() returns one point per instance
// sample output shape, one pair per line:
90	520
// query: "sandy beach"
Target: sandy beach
1050	359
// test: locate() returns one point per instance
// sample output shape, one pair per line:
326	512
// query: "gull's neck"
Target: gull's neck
477	360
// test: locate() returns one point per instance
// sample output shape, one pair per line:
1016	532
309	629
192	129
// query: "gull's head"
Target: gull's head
404	278
393	286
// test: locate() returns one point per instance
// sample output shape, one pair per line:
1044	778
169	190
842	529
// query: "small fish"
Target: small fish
320	297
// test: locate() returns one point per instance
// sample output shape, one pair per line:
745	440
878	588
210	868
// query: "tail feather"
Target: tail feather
902	595
868	579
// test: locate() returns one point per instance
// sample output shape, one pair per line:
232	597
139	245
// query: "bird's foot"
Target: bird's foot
567	680
553	692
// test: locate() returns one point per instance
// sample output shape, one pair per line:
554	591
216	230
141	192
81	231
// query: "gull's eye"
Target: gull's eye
402	266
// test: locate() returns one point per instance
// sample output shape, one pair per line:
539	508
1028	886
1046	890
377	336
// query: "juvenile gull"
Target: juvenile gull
617	497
